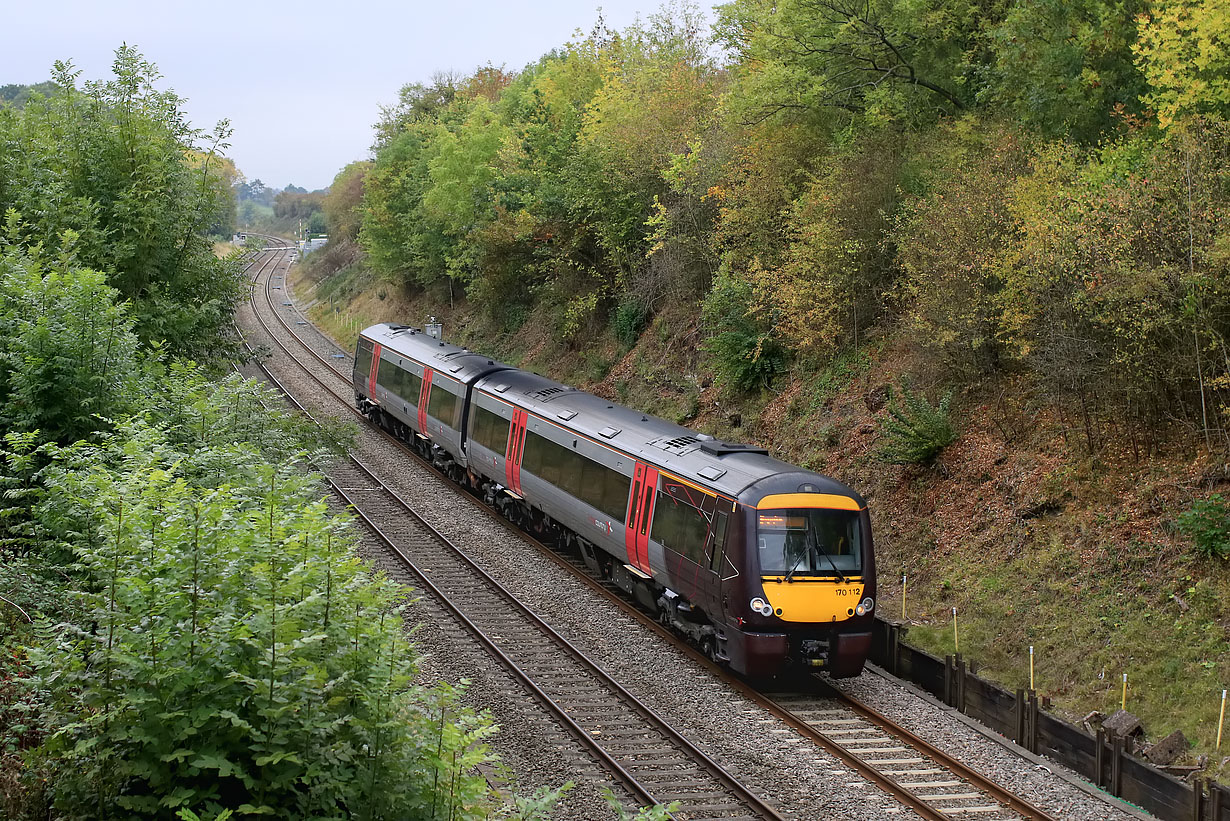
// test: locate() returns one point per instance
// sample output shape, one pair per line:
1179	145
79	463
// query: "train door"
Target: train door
424	394
640	514
515	450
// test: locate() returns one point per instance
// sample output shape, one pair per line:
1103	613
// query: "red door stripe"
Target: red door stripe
424	395
633	517
514	450
371	379
509	450
518	451
646	517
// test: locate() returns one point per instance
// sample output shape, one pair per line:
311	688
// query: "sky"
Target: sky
302	83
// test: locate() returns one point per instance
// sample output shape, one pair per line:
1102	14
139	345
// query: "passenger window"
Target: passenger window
442	405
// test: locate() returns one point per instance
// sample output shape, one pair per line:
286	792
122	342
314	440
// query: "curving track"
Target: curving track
917	774
654	761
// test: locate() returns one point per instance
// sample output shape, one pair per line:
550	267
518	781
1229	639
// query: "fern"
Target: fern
915	431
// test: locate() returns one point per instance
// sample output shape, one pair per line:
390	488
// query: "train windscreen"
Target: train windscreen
798	542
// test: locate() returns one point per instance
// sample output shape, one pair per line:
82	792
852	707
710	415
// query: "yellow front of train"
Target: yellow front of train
811	580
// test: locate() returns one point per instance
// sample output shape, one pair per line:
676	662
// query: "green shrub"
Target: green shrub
629	321
232	653
746	360
1207	524
915	431
746	356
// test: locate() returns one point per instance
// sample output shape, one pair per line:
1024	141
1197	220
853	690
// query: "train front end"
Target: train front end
806	600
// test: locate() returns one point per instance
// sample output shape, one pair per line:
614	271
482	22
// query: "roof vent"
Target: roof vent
679	444
547	394
609	432
500	388
711	473
566	414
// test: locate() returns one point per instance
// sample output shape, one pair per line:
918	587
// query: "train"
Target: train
765	566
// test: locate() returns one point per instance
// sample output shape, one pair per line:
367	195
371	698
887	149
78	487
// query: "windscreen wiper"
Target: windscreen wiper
814	544
797	562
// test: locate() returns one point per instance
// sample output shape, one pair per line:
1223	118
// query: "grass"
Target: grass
1089	624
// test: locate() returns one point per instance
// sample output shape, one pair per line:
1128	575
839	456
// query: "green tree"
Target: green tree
341	203
68	351
113	162
821	61
1065	68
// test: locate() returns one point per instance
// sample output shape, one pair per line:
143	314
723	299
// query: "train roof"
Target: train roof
446	358
727	467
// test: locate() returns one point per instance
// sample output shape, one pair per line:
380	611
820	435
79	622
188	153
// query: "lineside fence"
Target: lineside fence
1100	758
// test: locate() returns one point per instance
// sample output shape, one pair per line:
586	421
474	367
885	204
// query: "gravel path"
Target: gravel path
804	782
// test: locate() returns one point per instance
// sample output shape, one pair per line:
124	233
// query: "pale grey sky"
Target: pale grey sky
302	83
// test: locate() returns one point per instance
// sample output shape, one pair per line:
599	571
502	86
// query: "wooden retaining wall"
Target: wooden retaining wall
1017	716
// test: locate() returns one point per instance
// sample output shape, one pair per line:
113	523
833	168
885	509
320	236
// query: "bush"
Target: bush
746	355
629	321
915	431
232	653
1207	524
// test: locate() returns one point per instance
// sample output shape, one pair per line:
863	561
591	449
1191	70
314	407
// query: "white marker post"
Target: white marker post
956	644
903	618
1221	720
1031	667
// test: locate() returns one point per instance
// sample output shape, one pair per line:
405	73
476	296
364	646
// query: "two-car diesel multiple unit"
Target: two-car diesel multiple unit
762	564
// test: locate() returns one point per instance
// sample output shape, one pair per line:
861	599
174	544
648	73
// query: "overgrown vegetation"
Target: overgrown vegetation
1207	524
112	174
185	630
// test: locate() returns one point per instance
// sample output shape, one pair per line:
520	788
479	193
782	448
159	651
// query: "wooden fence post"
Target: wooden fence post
960	683
1197	800
1020	717
948	680
1116	765
1031	726
894	648
1099	758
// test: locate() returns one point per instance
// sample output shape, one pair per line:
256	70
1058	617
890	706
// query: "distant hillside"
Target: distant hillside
18	94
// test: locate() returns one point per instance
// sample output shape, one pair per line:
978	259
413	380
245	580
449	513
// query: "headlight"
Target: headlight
761	606
865	606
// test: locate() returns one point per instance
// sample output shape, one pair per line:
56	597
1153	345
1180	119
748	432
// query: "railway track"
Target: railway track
647	754
917	774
